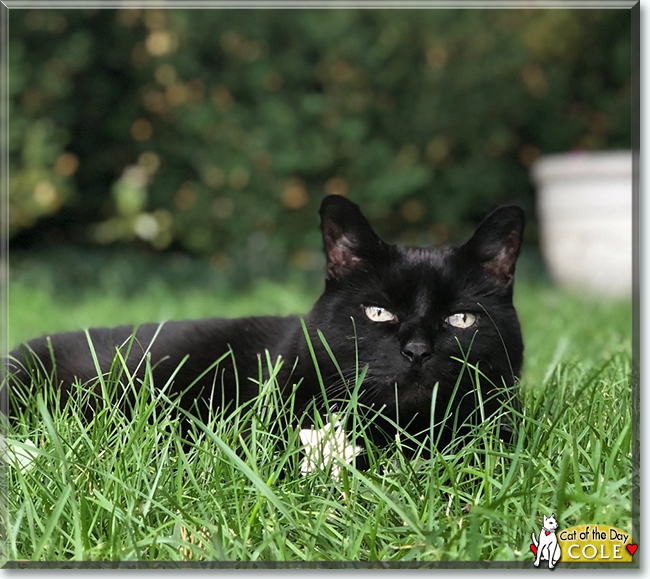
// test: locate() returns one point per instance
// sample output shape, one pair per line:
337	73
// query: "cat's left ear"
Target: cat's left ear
497	241
348	239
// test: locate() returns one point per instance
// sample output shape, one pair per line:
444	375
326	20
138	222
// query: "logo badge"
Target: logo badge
547	547
596	544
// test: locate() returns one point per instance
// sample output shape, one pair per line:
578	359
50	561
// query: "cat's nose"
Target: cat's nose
417	351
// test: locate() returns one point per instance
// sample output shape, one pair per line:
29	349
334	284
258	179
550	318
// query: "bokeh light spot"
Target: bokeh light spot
165	74
141	130
336	186
186	197
214	176
45	195
295	195
149	161
239	178
222	207
159	43
412	210
66	165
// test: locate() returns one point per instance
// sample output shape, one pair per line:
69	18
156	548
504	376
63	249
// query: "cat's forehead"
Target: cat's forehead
417	271
421	258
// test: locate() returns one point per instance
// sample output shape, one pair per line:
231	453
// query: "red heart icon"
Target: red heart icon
632	548
534	549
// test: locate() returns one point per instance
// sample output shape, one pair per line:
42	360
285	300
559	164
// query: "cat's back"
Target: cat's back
196	344
245	337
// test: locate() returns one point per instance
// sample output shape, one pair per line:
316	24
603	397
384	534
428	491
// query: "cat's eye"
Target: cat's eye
377	314
461	320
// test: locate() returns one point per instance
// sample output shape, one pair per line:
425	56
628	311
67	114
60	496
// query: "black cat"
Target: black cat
411	315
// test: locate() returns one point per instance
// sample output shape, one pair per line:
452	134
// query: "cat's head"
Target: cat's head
419	317
550	523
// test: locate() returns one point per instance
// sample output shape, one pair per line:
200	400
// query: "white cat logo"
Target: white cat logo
547	548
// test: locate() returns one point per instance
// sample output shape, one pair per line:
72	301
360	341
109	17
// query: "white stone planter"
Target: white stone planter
584	205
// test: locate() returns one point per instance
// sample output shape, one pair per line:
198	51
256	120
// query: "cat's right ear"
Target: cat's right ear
348	239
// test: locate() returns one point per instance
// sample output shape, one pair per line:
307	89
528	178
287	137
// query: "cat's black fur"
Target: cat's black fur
406	357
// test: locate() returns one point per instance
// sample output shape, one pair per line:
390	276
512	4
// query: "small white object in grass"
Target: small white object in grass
323	445
14	454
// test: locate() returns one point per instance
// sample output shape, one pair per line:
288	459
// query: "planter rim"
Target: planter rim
579	164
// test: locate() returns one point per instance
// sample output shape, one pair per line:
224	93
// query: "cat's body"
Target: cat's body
186	350
409	314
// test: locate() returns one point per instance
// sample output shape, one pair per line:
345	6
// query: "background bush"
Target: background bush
217	131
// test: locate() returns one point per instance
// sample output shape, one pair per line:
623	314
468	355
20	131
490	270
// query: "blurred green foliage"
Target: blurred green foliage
218	131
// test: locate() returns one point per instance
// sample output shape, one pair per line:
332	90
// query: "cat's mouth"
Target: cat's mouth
414	389
411	390
417	392
418	379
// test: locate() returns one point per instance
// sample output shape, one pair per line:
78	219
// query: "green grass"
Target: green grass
128	489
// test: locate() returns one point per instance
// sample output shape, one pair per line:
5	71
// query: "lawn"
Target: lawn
128	489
